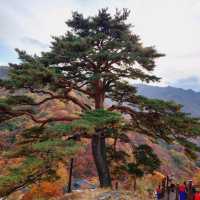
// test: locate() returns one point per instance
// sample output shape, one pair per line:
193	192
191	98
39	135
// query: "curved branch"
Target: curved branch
32	90
77	102
84	91
67	96
123	109
40	121
53	119
133	114
46	99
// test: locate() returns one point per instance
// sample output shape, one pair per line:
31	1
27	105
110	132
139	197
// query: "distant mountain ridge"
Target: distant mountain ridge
188	98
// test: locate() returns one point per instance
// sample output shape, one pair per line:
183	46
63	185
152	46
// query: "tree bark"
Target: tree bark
99	95
99	154
99	142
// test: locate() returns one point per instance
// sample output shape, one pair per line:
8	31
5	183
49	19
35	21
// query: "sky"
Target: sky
172	26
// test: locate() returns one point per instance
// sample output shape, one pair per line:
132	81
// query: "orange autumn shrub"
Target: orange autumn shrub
196	178
45	190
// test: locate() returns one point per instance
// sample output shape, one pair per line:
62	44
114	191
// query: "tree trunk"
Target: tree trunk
99	154
99	143
69	188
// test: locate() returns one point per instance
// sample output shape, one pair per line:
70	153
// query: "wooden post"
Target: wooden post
167	188
69	188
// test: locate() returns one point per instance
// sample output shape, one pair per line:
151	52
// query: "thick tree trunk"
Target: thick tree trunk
99	154
99	143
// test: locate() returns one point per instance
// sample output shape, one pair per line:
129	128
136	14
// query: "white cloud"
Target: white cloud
36	19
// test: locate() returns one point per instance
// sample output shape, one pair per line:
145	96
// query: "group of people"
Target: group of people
183	191
187	193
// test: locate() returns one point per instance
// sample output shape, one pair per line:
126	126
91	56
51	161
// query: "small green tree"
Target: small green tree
143	161
146	162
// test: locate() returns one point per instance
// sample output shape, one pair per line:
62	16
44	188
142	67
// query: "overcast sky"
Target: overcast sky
172	26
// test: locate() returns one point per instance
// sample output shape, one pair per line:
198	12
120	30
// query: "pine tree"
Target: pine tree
99	57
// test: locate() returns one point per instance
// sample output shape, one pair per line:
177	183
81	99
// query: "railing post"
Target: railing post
168	191
69	188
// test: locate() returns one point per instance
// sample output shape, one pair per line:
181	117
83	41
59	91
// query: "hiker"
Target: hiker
172	187
182	191
197	195
158	192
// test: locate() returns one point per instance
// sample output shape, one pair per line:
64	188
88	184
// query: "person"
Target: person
182	192
172	187
158	192
197	195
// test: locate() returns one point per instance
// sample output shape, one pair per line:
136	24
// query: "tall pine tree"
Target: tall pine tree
99	56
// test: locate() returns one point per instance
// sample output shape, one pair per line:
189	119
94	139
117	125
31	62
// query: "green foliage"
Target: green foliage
157	105
177	159
146	158
57	147
90	121
134	170
15	100
18	174
10	125
191	148
4	106
188	144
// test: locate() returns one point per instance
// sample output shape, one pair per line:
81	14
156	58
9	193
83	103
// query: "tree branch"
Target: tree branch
39	91
67	96
40	121
77	102
27	181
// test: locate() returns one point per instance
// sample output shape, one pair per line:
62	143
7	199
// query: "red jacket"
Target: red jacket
197	196
181	188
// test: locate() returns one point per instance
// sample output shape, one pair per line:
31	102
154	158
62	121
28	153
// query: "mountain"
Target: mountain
188	98
4	72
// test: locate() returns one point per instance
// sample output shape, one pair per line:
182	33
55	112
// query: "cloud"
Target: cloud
34	42
36	19
188	83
